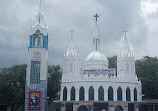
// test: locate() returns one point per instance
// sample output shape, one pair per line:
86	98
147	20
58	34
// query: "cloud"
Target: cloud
63	16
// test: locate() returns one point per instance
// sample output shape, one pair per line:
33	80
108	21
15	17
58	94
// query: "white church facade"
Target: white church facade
98	88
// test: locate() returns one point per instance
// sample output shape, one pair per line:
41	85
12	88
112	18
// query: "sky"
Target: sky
138	17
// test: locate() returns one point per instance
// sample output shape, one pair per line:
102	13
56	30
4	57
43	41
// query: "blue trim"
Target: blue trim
101	81
98	101
45	42
30	41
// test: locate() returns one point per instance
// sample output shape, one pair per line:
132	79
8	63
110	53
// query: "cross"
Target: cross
125	32
96	16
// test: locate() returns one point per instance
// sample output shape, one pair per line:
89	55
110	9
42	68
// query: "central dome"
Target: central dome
96	60
96	56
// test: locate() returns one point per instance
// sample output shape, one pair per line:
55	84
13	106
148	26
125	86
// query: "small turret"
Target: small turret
126	61
71	60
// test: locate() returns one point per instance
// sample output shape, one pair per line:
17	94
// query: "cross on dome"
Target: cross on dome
96	16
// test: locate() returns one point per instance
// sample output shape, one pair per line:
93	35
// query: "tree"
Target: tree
112	62
147	71
54	81
12	86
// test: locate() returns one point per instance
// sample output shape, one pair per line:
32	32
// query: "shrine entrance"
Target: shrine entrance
69	106
83	108
101	106
118	108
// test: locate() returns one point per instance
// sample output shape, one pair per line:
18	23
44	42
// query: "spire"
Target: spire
125	51
40	15
71	50
96	35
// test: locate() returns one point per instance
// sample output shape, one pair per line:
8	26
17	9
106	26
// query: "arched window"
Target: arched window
70	67
101	93
73	93
135	94
128	94
91	93
119	94
65	94
81	93
127	68
110	93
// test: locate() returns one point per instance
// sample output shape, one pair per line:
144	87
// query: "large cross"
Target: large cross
96	16
125	32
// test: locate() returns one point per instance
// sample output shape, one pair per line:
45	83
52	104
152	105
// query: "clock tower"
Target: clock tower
37	67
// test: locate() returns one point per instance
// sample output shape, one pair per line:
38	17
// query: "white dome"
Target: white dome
96	56
96	60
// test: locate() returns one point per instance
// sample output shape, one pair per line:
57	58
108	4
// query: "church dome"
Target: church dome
96	60
96	56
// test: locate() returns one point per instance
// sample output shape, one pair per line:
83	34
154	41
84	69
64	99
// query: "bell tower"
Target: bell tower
37	67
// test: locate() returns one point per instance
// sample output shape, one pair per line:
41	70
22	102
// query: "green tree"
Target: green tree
112	62
147	71
54	81
12	86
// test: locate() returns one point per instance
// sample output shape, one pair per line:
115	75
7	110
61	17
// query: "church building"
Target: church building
97	87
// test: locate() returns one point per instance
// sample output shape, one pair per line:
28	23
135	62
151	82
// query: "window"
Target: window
119	94
72	93
128	94
81	93
110	93
65	94
35	72
70	67
91	93
127	68
38	39
135	94
101	93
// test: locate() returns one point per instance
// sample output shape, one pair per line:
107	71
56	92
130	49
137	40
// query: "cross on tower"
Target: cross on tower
125	32
96	16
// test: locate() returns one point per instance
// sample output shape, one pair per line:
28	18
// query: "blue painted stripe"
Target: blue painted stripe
30	41
98	101
101	81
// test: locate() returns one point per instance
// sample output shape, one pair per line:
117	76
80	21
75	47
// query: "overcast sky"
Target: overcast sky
139	17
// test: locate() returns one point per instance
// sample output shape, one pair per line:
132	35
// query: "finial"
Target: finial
125	32
96	17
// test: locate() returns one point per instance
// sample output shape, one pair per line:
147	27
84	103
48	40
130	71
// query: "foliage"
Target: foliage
54	81
112	62
147	71
12	86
